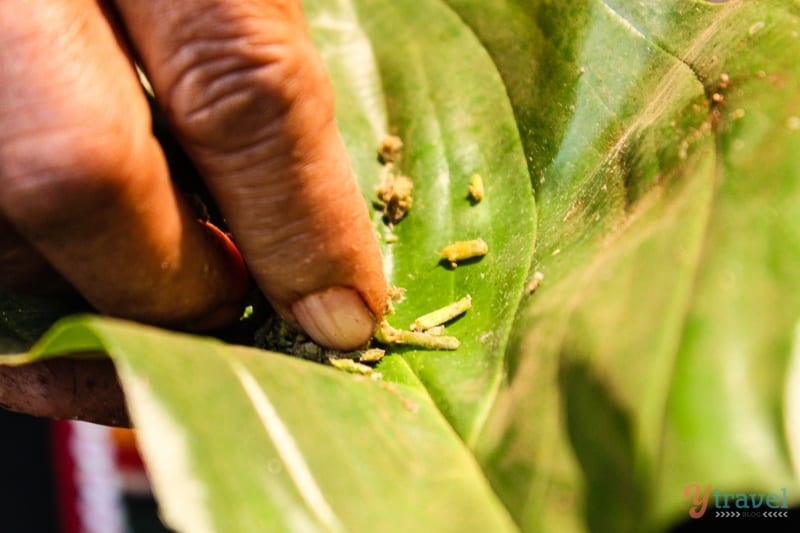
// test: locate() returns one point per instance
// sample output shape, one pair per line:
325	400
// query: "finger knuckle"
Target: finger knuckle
230	94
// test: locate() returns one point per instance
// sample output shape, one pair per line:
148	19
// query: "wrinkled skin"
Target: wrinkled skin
87	203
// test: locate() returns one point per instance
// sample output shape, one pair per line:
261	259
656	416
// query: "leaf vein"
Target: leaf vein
287	448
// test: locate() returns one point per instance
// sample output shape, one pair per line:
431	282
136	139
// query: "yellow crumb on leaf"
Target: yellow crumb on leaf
388	335
442	315
371	355
462	250
536	280
394	195
353	367
476	187
390	149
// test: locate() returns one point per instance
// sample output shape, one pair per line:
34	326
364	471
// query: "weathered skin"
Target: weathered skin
65	388
87	202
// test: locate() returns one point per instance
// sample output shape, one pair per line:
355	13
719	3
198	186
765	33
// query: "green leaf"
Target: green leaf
23	318
252	441
430	81
661	349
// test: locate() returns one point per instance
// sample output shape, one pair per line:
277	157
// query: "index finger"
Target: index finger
250	100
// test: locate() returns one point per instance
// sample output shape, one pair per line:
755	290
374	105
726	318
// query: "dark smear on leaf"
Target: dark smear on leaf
600	432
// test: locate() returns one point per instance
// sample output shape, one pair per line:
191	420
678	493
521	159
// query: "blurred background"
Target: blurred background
72	477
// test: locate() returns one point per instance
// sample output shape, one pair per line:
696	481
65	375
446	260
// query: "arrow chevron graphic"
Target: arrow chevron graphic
764	514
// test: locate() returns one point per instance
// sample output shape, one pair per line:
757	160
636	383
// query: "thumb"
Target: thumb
249	98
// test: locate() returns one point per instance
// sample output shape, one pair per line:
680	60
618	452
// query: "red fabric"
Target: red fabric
91	487
66	484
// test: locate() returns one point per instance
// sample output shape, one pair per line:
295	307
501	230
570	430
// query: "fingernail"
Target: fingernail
238	277
336	317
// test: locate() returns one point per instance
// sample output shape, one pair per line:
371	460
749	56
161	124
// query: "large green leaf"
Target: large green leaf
238	439
431	82
659	352
662	348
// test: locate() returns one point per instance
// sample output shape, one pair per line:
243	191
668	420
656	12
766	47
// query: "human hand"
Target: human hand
85	194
